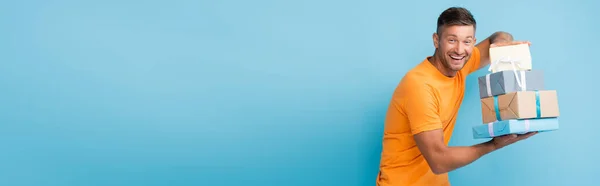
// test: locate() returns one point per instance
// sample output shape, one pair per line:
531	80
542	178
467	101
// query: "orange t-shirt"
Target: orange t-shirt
425	99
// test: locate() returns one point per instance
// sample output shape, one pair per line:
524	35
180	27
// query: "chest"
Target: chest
450	97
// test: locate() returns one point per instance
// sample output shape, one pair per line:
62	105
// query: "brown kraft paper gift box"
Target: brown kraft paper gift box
520	105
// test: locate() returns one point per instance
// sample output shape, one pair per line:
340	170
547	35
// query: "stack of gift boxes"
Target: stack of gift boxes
513	97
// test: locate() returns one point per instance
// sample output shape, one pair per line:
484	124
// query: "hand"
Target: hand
503	141
506	43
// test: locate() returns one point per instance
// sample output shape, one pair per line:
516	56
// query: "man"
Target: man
423	110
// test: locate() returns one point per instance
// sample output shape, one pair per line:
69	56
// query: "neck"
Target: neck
437	63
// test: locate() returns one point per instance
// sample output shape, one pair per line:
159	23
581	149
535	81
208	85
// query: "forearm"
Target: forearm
451	158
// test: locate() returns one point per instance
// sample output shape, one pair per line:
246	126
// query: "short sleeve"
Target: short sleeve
474	62
421	108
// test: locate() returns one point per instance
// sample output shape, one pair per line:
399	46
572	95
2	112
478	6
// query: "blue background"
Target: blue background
262	92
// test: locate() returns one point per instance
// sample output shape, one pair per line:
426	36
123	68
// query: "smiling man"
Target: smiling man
423	110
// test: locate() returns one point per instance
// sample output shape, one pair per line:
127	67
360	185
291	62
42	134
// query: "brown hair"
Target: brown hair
455	16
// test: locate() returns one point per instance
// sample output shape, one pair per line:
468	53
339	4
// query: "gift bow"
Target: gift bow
514	63
505	59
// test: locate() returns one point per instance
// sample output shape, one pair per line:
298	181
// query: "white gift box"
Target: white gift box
512	57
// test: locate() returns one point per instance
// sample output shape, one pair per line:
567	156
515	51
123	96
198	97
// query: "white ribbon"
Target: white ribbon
514	63
523	81
489	87
491	129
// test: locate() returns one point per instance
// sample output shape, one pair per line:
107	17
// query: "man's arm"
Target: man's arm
418	101
443	159
494	39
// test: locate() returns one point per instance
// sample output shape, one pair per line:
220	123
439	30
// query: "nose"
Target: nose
460	48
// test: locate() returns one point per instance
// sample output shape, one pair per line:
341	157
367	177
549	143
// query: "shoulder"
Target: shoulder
416	84
473	63
475	54
476	50
415	79
421	76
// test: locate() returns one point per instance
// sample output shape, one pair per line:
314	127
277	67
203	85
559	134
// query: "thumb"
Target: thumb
509	137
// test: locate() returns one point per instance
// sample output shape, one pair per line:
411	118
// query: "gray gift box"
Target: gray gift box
506	81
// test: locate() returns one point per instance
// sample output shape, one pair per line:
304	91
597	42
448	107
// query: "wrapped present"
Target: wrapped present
501	128
510	81
511	57
520	105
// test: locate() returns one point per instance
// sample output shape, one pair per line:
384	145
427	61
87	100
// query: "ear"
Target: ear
436	41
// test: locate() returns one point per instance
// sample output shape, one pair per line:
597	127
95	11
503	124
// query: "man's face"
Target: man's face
455	44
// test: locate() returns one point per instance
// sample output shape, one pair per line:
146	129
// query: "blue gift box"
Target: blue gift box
515	126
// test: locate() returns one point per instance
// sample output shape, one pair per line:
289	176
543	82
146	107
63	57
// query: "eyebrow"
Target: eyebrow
452	35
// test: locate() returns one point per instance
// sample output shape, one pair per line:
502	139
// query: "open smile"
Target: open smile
457	57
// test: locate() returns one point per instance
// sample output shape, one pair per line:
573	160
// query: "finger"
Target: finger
525	136
525	42
508	138
522	42
499	44
519	137
511	137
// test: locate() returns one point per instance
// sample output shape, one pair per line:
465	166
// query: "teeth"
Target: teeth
456	57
